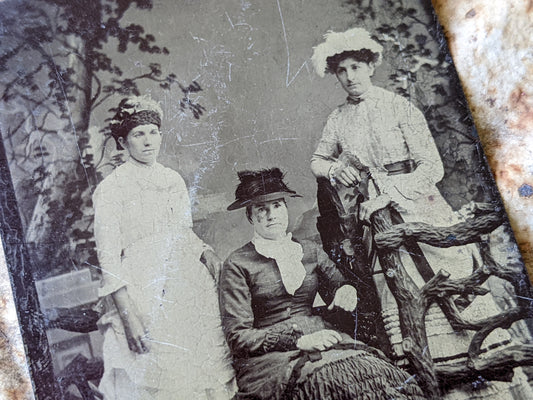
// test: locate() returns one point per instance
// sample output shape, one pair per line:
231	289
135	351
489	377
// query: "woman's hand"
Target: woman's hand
136	334
369	207
345	298
348	176
213	263
319	341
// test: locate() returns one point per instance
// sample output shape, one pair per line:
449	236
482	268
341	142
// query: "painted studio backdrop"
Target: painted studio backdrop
238	91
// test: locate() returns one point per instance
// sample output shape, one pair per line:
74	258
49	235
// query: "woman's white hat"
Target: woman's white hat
338	42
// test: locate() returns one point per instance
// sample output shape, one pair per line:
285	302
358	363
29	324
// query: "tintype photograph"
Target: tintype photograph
252	200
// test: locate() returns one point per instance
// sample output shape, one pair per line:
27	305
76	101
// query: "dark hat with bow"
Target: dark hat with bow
259	187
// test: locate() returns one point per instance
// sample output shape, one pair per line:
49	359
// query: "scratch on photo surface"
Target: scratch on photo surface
229	19
277	139
403	250
107	272
287	80
409	379
59	81
218	146
155	281
244	24
197	38
196	144
167	344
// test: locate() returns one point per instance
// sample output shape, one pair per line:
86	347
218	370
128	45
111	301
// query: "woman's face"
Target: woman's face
270	219
143	143
354	76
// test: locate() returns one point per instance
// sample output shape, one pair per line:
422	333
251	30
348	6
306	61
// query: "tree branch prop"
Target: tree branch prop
411	310
441	289
414	302
459	234
495	366
503	320
513	273
440	286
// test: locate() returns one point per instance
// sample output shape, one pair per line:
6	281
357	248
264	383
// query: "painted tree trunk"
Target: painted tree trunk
49	234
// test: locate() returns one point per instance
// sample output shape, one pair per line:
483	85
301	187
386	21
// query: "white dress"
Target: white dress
145	241
385	128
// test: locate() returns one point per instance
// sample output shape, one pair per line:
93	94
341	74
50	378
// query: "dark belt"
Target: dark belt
401	167
422	265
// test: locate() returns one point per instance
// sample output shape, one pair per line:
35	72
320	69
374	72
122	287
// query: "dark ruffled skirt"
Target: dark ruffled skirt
336	374
361	377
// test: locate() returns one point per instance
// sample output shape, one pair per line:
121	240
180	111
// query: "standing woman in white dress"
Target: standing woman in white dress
390	136
162	330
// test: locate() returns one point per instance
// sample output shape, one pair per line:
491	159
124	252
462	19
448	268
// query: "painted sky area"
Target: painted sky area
265	105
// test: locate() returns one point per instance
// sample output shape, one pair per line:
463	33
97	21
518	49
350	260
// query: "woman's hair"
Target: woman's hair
338	46
363	55
249	213
132	112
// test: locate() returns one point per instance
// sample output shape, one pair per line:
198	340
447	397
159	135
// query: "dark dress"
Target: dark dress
262	323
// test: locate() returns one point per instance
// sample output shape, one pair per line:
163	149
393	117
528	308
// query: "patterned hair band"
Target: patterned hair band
143	117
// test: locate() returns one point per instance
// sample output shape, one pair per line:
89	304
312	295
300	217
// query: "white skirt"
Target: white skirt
177	300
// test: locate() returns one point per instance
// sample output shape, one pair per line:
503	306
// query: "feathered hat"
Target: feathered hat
260	186
132	112
354	39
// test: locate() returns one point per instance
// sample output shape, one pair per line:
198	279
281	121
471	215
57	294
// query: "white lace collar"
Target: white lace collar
288	255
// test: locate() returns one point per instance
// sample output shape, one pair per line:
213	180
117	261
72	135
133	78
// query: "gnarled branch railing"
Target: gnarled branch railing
486	220
440	288
411	309
498	366
413	302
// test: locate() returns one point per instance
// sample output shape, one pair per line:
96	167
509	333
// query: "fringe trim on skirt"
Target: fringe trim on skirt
361	377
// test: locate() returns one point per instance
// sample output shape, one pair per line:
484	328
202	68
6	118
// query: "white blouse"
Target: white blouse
382	129
138	202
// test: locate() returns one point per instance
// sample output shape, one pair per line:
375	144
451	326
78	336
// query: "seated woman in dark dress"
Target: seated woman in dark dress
267	288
